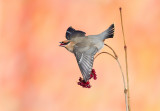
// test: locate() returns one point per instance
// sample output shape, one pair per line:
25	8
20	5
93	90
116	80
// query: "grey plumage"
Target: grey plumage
85	57
109	33
71	33
86	47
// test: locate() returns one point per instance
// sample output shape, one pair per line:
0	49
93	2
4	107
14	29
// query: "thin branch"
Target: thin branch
125	89
125	49
124	83
112	50
106	53
118	64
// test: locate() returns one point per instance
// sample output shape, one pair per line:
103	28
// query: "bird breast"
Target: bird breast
70	46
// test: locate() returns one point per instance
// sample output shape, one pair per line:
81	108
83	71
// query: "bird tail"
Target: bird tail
109	33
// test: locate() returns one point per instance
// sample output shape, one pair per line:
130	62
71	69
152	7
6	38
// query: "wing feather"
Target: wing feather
85	58
71	33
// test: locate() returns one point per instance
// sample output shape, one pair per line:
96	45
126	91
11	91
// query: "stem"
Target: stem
112	50
106	53
116	58
125	89
118	64
126	61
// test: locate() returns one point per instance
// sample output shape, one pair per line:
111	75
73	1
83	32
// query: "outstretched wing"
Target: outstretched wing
71	32
85	58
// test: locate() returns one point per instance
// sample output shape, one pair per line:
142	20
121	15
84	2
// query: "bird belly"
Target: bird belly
99	45
96	42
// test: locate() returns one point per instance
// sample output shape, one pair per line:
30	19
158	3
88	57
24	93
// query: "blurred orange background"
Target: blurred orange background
38	75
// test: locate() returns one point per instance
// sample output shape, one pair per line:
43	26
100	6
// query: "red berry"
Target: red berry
80	79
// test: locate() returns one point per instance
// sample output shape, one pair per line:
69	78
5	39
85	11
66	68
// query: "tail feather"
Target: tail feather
109	33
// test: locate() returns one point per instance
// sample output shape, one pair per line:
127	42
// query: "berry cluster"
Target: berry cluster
87	84
83	83
93	74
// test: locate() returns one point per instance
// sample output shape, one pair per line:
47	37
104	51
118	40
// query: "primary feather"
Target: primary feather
71	32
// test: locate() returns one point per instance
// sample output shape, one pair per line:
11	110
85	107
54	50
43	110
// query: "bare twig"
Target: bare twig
125	49
116	58
112	50
106	53
126	89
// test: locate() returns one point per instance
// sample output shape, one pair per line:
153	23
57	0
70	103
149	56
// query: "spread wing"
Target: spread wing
85	58
71	32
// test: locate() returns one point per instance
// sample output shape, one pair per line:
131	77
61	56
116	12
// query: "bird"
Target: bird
84	47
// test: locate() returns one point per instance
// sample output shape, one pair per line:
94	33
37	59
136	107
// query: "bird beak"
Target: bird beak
62	44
